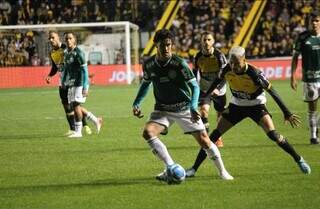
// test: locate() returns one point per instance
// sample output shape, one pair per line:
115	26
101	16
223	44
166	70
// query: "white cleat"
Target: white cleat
190	172
75	135
226	176
70	132
99	125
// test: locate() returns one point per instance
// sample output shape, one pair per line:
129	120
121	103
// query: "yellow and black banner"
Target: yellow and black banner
165	22
250	23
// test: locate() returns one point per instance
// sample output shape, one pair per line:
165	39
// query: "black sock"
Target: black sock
215	135
289	149
71	121
202	155
84	121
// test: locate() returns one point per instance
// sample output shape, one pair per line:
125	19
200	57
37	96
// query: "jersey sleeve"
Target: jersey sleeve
146	76
259	78
54	68
186	71
81	57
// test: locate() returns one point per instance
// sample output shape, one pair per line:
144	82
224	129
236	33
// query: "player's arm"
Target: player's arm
142	92
294	64
195	90
222	64
266	85
53	71
84	72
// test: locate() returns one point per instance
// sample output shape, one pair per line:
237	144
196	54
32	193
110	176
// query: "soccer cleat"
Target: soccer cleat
75	135
219	143
69	133
304	167
87	130
226	176
314	141
190	172
162	176
99	124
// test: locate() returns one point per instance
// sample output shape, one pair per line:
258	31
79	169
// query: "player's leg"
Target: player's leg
213	153
86	128
97	121
311	95
158	124
63	92
313	121
267	124
76	98
229	118
199	133
219	104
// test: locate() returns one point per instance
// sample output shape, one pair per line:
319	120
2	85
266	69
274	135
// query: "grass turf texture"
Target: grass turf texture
39	168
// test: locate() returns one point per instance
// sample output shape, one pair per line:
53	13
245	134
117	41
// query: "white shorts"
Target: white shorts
75	95
311	91
182	118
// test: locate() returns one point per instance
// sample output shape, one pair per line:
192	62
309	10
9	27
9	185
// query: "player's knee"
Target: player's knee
215	135
148	134
275	136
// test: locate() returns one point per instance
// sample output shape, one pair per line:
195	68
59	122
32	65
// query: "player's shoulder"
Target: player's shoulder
178	61
198	54
218	53
148	62
304	35
252	69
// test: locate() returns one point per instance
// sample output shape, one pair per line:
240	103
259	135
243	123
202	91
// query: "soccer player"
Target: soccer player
247	85
56	55
76	78
308	45
208	62
176	93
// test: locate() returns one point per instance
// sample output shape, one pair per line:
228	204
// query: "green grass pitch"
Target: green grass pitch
39	168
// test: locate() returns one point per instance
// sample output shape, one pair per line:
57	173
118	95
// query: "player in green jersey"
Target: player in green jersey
56	55
176	93
75	77
308	45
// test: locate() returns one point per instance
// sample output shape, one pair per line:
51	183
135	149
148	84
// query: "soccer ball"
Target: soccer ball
176	174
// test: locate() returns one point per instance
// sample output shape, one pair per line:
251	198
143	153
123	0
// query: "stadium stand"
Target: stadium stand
281	21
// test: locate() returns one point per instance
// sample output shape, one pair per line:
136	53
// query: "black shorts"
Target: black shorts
63	92
234	113
219	102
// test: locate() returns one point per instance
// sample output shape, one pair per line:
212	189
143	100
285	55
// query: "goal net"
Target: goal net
111	50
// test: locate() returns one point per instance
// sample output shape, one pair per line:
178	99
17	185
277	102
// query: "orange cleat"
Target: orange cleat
219	142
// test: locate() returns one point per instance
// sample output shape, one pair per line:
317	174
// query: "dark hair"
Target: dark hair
315	13
206	33
53	31
72	33
163	34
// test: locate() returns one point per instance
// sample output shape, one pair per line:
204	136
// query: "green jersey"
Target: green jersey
170	83
308	46
75	68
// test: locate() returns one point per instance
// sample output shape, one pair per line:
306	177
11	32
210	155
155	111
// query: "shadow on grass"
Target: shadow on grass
29	136
98	183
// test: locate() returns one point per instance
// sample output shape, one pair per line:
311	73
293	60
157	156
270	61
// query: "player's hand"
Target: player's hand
215	92
85	92
137	112
294	120
293	83
48	79
195	116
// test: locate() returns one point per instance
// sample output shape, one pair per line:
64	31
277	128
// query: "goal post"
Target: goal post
104	43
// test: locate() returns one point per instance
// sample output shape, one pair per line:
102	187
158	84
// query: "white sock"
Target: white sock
214	154
160	150
92	118
312	118
78	127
